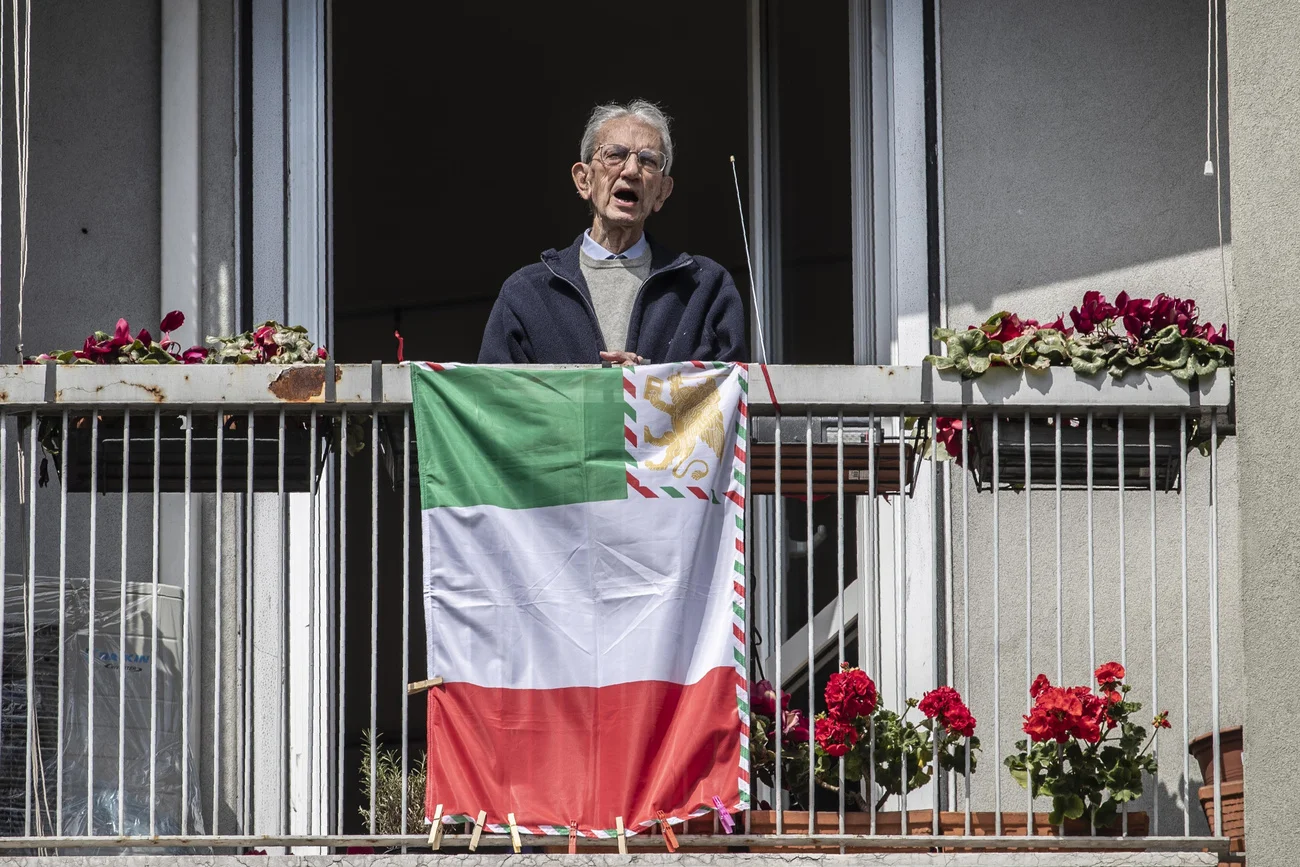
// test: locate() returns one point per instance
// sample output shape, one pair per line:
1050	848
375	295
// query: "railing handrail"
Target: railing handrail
915	390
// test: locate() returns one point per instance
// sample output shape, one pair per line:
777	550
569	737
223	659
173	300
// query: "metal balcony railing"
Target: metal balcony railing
209	572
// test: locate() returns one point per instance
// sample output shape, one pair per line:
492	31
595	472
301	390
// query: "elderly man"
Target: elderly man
615	294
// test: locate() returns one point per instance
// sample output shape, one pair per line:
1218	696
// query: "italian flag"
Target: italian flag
584	590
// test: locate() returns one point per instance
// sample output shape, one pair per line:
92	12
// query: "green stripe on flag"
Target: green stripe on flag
519	439
674	493
740	657
740	522
744	753
738	476
740	431
744	384
630	411
740	612
744	705
739	567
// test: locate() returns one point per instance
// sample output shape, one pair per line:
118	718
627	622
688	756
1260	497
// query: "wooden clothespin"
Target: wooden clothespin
514	833
670	839
478	830
423	685
435	833
573	839
622	836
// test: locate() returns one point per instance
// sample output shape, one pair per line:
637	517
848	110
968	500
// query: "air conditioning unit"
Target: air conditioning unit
121	702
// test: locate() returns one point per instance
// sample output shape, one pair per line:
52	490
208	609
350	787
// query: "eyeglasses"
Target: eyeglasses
614	156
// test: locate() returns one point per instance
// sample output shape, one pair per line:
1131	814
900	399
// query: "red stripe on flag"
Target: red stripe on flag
740	590
628	435
640	489
629	386
699	492
699	364
744	730
744	409
738	632
740	454
736	498
740	545
582	755
432	366
744	775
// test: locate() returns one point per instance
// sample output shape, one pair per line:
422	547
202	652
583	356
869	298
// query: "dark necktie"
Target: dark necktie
616	256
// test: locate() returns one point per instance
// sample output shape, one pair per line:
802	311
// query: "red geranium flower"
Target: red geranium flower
850	693
1109	672
945	705
836	738
1040	683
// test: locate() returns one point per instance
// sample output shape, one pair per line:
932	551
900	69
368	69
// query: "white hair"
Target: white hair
640	109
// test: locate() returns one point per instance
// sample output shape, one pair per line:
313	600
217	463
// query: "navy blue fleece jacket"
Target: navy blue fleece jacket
688	309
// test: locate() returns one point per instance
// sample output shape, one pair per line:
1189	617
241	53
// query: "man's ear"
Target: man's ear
582	179
665	190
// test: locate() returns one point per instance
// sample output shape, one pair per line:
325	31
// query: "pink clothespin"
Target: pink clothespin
728	823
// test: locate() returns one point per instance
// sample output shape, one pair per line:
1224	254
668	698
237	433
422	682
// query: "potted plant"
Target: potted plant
898	752
1231	782
1132	334
1086	754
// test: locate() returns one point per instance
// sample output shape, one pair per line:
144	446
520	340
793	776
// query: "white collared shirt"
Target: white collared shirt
596	251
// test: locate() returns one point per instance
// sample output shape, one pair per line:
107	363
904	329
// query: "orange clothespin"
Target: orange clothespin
670	839
573	839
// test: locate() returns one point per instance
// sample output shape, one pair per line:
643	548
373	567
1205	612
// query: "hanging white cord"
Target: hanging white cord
1209	62
1218	158
22	115
753	291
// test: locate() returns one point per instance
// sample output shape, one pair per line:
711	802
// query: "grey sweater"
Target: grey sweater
613	284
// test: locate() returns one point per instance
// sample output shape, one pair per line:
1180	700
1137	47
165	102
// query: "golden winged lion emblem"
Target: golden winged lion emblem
696	414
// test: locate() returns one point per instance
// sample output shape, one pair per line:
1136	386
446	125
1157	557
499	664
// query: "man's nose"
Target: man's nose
631	167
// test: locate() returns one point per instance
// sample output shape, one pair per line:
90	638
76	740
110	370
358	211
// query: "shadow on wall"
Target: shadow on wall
1074	141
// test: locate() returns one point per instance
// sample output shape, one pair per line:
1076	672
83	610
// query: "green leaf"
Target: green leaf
1074	807
940	362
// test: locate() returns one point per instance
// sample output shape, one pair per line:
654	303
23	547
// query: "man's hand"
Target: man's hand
622	358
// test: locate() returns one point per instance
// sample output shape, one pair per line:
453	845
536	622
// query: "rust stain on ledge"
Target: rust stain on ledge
302	384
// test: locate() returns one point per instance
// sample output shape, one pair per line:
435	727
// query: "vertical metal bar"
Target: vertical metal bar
900	625
870	608
839	580
1155	702
935	499
1060	608
374	602
406	599
121	628
90	622
1123	572
750	586
153	629
965	593
808	628
286	791
342	610
1092	571
29	627
1029	603
997	617
314	810
63	617
1182	508
218	614
1123	578
1214	623
186	596
4	552
778	677
244	615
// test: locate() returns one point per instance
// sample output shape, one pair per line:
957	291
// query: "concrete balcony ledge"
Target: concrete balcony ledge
916	390
887	859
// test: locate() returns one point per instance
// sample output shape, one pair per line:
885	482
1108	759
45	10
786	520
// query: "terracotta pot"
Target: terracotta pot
1234	812
1202	749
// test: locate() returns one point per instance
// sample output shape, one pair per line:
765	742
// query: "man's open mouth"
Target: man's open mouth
628	196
